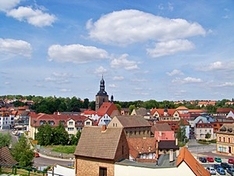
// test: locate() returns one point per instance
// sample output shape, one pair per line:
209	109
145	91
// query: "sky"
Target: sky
145	49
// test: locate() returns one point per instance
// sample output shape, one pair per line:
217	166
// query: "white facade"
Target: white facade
61	170
104	120
125	170
6	122
200	133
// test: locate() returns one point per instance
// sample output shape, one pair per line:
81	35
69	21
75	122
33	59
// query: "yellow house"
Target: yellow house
225	139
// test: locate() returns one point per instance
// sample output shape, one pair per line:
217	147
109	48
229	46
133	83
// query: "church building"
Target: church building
101	96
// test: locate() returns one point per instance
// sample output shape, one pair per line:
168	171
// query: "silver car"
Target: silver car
211	170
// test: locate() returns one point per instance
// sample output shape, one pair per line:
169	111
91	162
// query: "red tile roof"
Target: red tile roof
106	108
194	165
141	146
37	118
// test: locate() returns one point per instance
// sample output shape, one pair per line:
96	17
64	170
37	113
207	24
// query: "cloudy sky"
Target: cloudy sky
157	49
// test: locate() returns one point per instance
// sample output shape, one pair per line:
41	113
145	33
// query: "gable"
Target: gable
186	157
95	143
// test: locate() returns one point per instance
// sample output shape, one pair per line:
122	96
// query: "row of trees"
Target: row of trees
55	136
52	104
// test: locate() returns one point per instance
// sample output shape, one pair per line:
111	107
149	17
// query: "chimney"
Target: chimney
103	128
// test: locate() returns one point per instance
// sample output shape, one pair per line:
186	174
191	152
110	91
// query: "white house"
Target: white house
104	120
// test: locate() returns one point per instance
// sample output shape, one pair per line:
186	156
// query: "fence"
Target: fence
18	170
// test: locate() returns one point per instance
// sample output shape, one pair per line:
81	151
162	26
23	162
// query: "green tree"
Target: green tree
5	139
59	135
44	134
22	153
181	134
75	138
131	107
118	107
208	135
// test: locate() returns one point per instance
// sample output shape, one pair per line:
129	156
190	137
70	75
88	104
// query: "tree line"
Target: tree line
52	104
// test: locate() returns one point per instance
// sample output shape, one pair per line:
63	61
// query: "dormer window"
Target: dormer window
51	122
42	122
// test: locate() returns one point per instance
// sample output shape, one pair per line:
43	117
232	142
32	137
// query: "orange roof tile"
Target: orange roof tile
195	166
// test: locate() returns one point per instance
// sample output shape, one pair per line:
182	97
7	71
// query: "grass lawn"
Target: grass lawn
69	149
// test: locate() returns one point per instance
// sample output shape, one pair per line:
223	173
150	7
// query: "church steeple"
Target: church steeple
102	95
102	85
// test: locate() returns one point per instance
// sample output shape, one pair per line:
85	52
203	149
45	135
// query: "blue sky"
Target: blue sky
145	49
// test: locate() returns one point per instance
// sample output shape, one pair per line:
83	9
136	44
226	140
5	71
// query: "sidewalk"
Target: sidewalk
47	153
55	158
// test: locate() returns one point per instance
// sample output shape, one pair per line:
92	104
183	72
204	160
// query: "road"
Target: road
45	161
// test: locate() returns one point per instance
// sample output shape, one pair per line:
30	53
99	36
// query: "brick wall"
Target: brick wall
90	167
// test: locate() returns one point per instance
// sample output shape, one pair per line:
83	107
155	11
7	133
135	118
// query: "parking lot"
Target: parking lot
211	164
199	150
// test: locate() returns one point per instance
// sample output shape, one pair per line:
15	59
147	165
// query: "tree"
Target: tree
118	107
5	140
181	134
131	107
44	134
59	135
75	138
22	153
208	135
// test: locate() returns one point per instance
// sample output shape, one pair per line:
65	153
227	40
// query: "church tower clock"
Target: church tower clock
101	96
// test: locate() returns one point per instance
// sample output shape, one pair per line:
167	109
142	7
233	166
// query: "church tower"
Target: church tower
101	96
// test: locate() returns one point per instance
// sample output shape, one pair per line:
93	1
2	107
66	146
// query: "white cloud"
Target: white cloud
130	26
8	4
226	84
187	80
139	80
65	90
170	47
59	78
175	72
118	78
76	53
34	17
122	62
11	47
100	70
218	65
112	86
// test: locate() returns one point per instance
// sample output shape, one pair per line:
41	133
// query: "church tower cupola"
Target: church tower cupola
101	96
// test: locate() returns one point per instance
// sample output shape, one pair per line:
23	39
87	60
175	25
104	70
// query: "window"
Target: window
102	171
70	129
70	123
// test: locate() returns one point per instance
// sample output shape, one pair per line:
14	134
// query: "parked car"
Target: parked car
225	165
230	171
218	160
211	170
210	159
202	159
216	166
221	171
231	161
36	154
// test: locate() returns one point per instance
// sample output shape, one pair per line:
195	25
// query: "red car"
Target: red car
210	159
231	161
36	154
